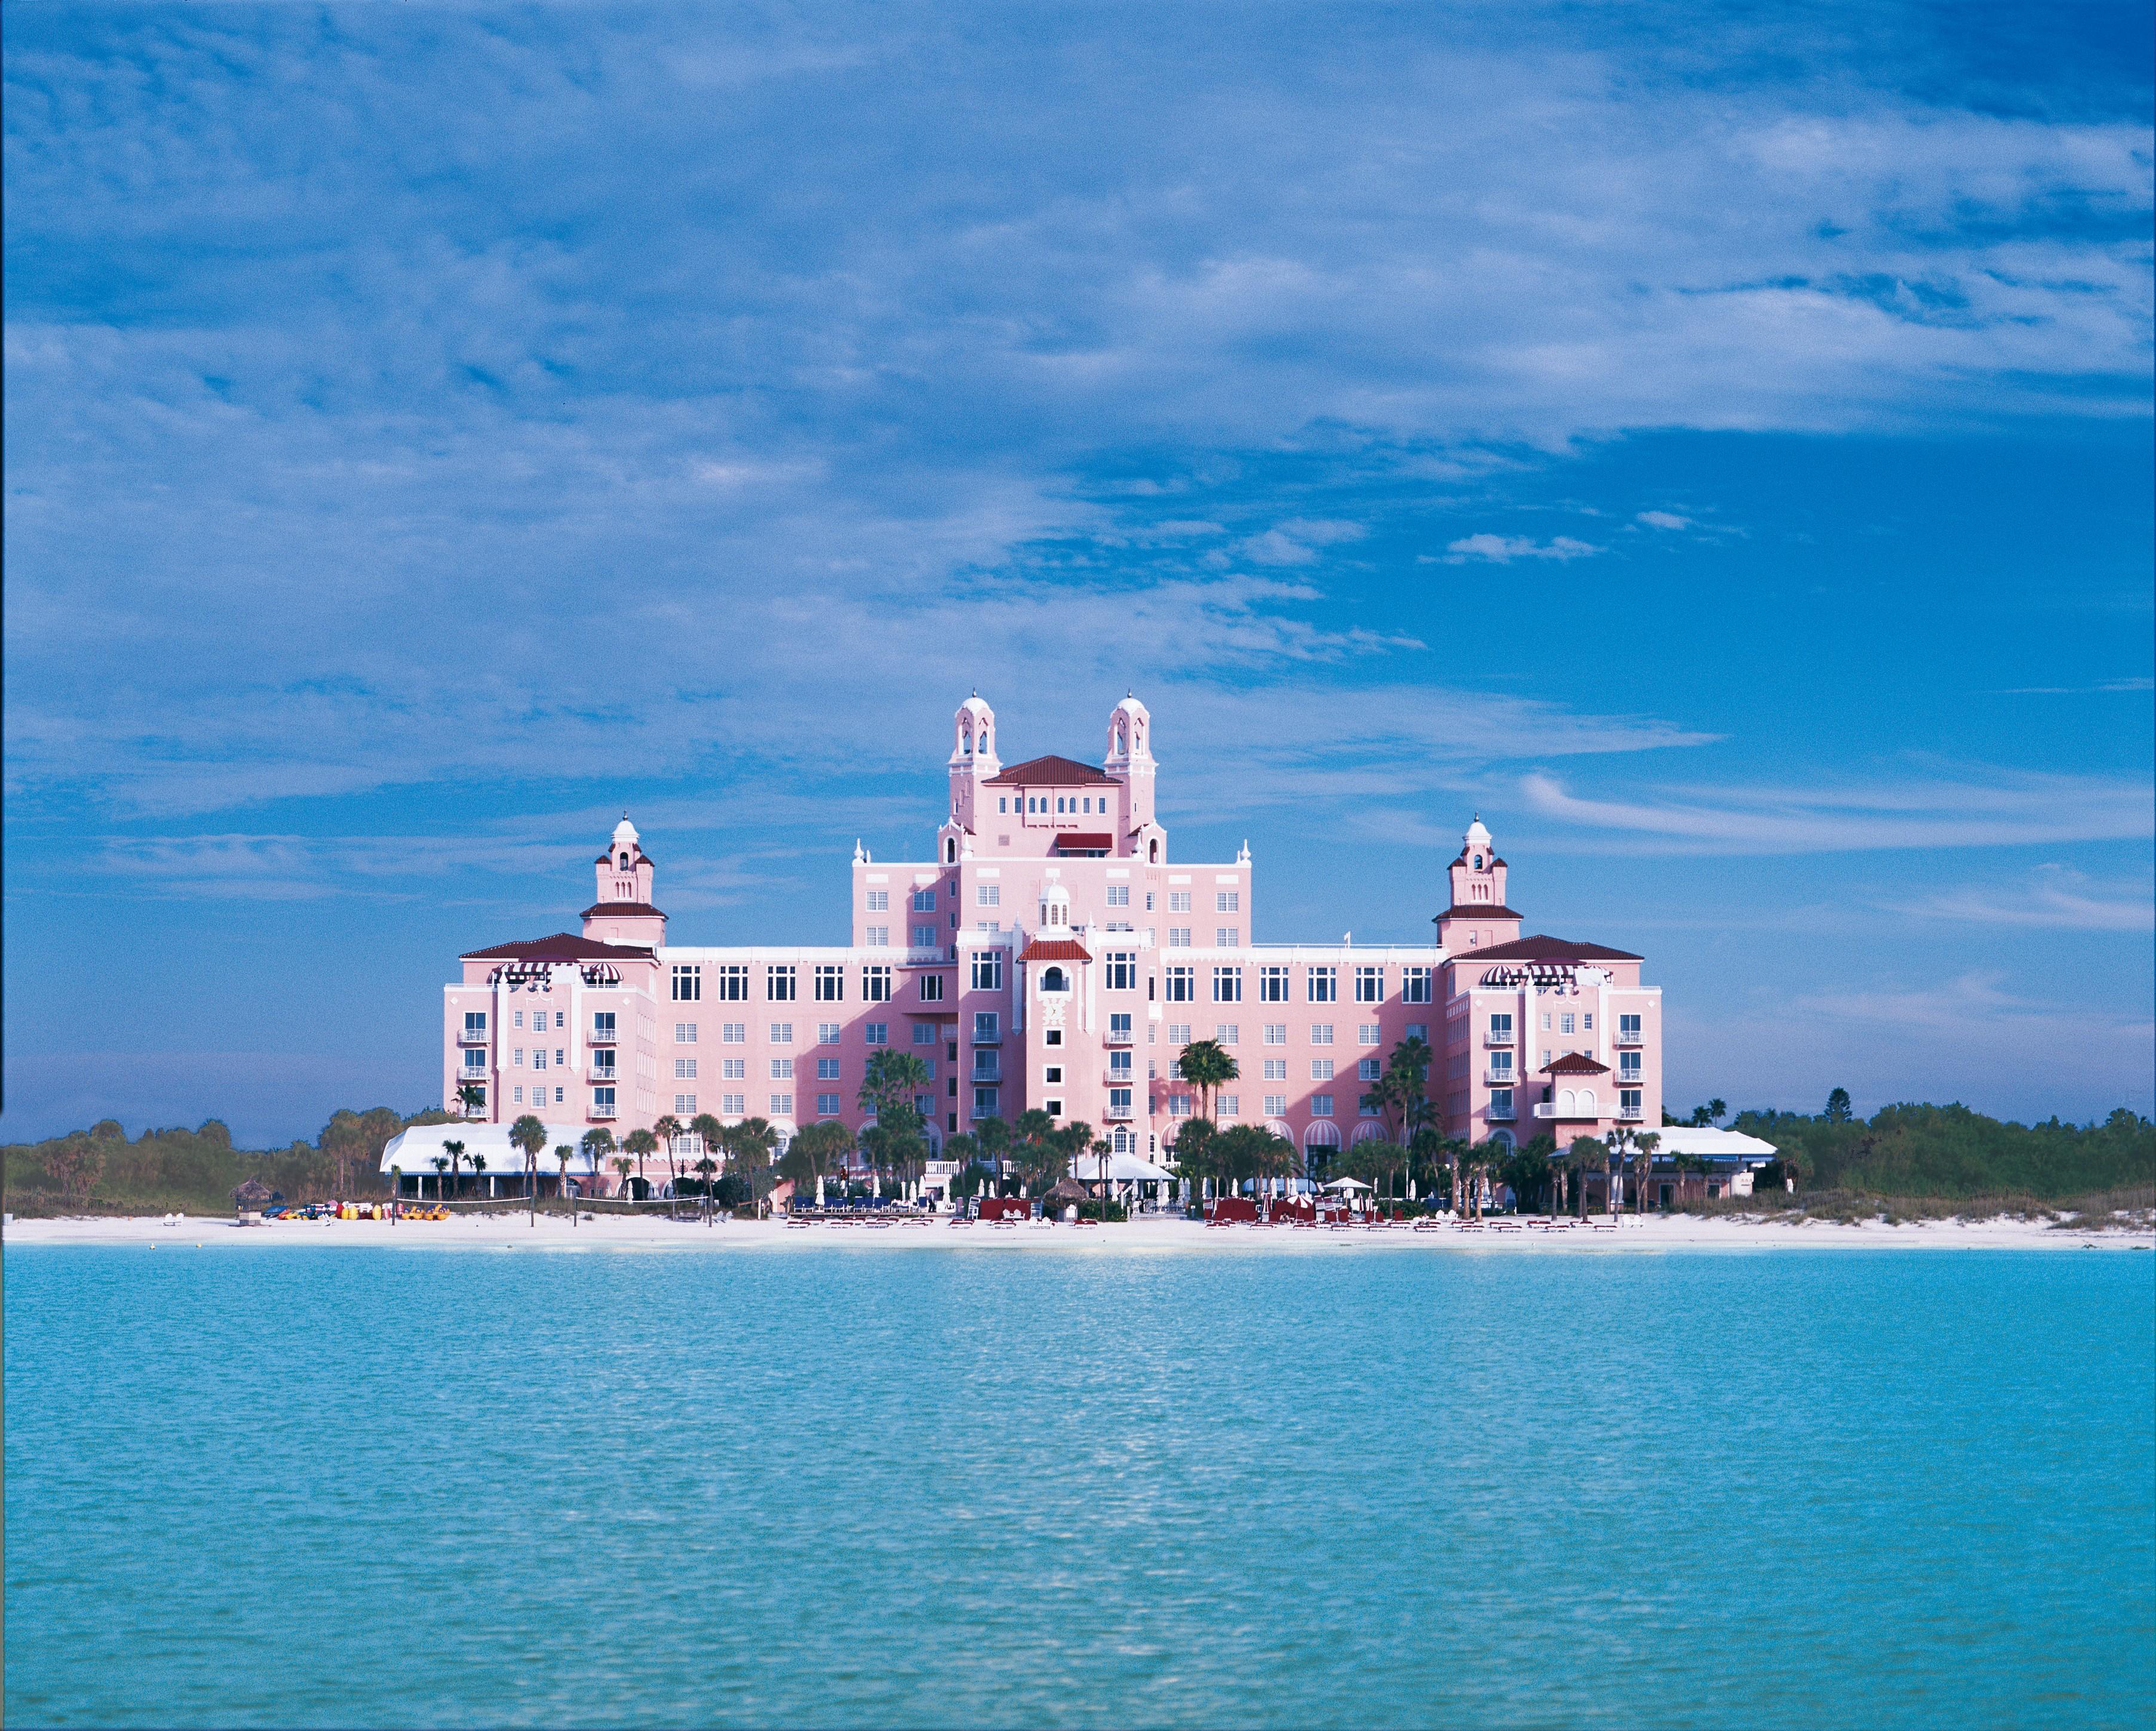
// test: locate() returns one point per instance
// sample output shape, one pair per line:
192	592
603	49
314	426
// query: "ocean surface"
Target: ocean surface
935	1486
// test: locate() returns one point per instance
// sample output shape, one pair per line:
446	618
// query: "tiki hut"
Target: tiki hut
251	1198
1066	1193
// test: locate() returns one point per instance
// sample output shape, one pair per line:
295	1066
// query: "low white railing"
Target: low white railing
472	1036
602	1036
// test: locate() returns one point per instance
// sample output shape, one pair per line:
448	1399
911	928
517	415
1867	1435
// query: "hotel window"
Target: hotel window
924	1032
877	937
1369	985
1324	985
1275	1106
827	1106
1178	1106
781	1033
1320	1070
1119	895
1228	901
1227	985
988	1064
932	988
984	1103
831	984
988	970
1122	970
1119	1025
1275	1070
685	1034
733	1033
1564	1023
733	1106
924	938
733	1070
782	1106
827	1069
1179	901
474	1025
1272	985
1119	1102
1368	1106
1119	1066
1002	804
1417	1030
1178	1034
602	1100
827	1033
1227	1033
538	1057
1628	1028
1368	1033
924	900
1275	1033
1414	985
986	1027
688	983
516	1017
781	1070
1501	1026
1052	1074
1501	1065
1321	1033
779	985
1321	1106
685	1070
516	1059
875	985
1178	937
1227	1105
733	983
1150	899
684	1105
1181	985
519	1094
1500	1103
1367	1069
988	896
879	900
875	1033
1546	1021
1627	1102
1627	1066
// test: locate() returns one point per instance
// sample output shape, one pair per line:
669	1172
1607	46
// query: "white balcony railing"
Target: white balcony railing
602	1111
605	1072
472	1036
1495	1038
1502	1114
1500	1079
1630	1114
1634	1038
1119	1036
603	1034
1571	1114
1116	1113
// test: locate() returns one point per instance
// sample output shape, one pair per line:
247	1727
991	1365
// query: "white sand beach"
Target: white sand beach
509	1230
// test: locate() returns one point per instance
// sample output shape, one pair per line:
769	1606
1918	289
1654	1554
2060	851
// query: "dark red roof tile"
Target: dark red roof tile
1051	771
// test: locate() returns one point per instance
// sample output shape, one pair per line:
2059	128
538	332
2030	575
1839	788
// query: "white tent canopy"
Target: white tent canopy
1347	1184
1703	1142
1122	1169
413	1151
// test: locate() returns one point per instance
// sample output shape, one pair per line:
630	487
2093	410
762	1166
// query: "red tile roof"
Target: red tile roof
1051	773
1054	949
1073	839
562	947
1545	948
1574	1064
622	908
1484	911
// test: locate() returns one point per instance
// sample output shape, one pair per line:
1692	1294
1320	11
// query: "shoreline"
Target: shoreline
512	1231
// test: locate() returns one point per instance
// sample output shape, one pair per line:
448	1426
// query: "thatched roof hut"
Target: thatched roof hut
254	1196
1069	1189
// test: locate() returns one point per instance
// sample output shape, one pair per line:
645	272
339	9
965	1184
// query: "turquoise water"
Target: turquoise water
933	1486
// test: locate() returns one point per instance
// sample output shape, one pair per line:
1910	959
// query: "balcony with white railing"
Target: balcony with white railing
1121	1113
1500	1078
606	1074
602	1111
1120	1036
1570	1114
472	1036
1502	1114
1504	1039
1630	1114
603	1034
1634	1038
475	1064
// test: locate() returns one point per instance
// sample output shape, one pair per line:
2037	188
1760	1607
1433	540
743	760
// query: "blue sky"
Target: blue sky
1714	443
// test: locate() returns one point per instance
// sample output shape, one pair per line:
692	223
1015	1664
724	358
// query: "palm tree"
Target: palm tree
888	1086
1102	1147
441	1165
1205	1065
563	1153
1585	1155
667	1129
751	1143
529	1135
711	1136
455	1151
994	1137
472	1097
479	1170
598	1142
640	1143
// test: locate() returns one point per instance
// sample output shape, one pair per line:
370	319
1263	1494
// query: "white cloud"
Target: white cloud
2056	896
1663	520
1988	808
1503	549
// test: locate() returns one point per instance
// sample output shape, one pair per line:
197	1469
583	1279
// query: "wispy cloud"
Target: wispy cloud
1997	809
1503	549
2056	896
1663	520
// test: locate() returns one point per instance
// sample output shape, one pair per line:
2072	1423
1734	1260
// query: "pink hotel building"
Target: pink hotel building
1052	952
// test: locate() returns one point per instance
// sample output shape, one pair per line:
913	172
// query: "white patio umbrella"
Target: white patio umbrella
1347	1184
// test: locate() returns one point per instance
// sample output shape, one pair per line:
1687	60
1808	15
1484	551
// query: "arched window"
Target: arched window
1152	851
968	741
1566	1101
950	849
1054	980
1502	1138
1478	862
625	862
1586	1106
984	739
